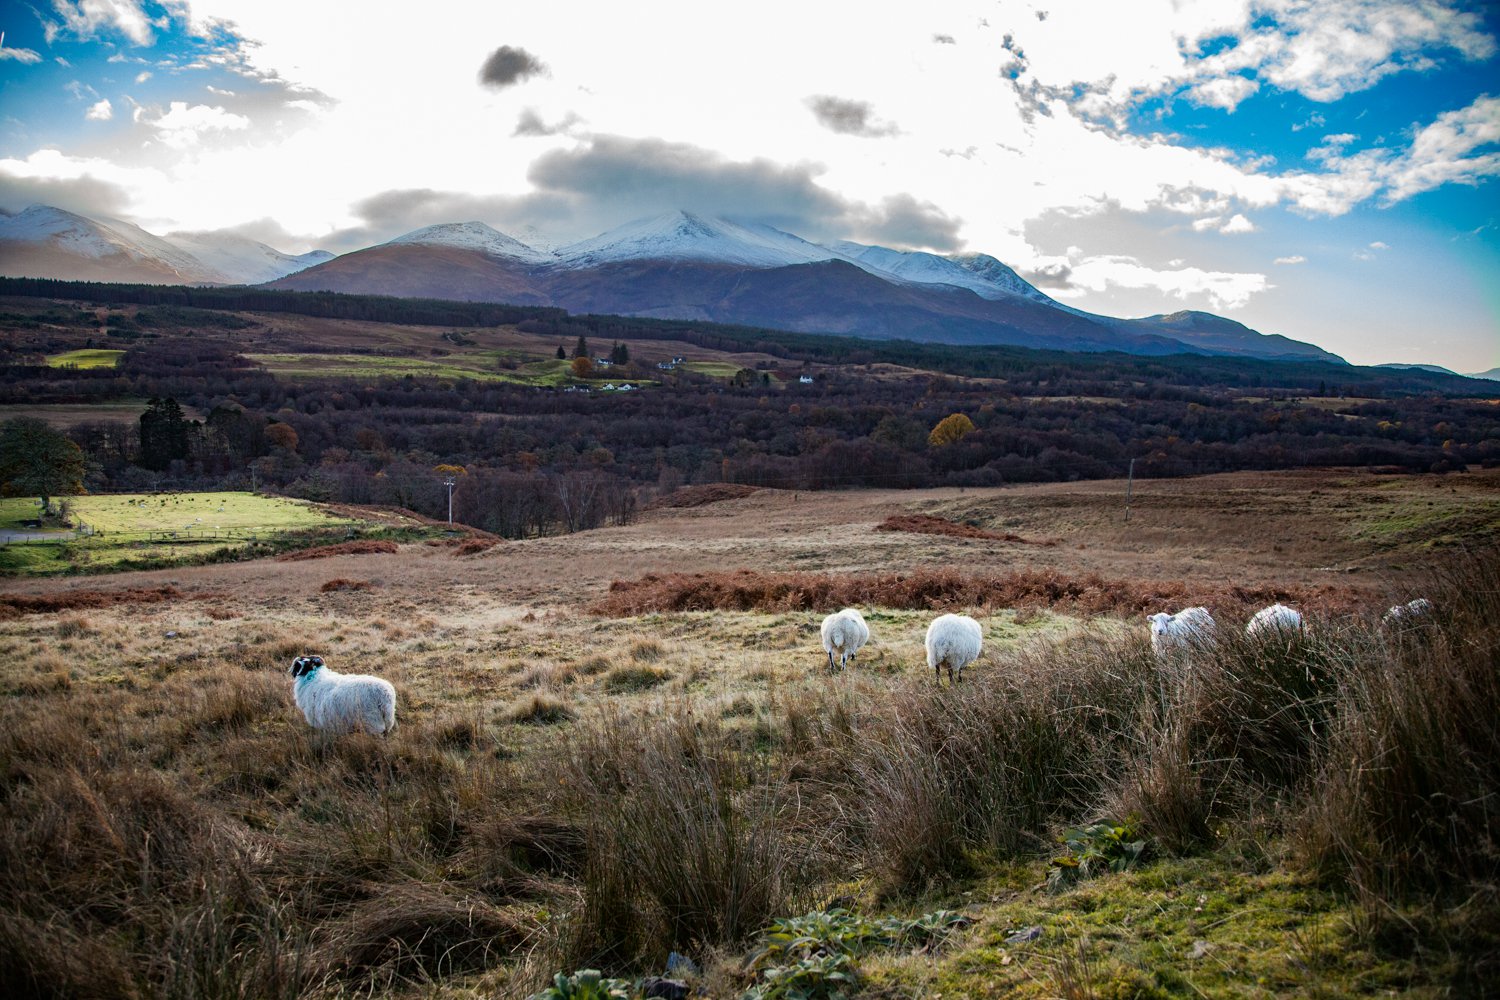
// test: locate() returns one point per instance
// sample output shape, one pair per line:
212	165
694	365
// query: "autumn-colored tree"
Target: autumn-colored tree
282	436
450	470
950	429
582	367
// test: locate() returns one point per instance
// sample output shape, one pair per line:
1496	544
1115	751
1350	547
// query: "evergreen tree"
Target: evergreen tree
562	353
164	434
620	354
581	349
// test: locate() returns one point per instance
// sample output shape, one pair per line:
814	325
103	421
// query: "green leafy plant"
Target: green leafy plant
585	984
1094	847
816	977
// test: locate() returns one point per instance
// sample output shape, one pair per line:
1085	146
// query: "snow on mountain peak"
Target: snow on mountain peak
474	236
687	236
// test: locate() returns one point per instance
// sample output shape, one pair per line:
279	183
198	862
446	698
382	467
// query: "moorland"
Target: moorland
618	736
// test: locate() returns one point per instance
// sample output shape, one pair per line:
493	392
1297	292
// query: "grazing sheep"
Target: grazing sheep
845	631
954	641
1411	613
342	702
1276	620
1189	630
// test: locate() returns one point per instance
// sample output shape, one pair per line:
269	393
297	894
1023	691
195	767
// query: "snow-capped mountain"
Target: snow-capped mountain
41	241
684	236
46	242
979	273
243	261
476	236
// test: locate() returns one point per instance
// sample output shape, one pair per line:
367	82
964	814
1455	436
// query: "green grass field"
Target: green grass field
89	357
135	530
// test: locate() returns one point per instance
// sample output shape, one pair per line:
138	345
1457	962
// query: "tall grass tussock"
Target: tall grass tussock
181	833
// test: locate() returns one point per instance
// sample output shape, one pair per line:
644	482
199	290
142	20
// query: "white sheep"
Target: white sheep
1189	630
342	702
1411	613
846	632
1276	620
954	641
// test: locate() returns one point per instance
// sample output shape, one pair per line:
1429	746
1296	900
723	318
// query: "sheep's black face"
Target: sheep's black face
304	665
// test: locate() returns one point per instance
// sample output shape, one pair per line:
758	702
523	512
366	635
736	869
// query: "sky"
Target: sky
1324	169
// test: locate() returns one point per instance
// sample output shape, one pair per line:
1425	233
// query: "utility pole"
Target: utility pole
450	483
1129	489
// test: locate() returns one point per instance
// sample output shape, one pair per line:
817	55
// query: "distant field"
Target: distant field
374	366
88	357
65	415
165	528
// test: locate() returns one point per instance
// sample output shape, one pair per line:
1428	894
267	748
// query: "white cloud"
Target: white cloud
1223	289
143	76
184	125
90	18
24	56
1378	245
1294	259
1225	92
103	111
1204	225
1447	151
1238	224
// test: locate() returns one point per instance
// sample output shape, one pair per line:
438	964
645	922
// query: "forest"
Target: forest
530	459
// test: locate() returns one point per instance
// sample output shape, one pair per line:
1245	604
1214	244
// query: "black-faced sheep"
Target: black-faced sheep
342	702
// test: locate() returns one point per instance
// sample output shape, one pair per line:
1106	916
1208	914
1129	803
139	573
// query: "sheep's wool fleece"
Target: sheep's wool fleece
955	640
343	702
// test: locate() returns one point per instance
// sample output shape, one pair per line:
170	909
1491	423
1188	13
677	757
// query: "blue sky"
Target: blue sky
1324	170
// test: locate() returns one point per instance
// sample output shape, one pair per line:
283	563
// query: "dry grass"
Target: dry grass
935	589
926	524
362	547
71	600
540	806
340	583
700	496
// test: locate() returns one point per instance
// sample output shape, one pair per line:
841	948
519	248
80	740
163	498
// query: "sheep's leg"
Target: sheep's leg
831	667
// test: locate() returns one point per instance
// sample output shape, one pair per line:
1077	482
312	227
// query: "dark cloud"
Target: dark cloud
531	124
613	179
392	213
848	117
1051	276
902	221
84	195
607	180
944	40
509	65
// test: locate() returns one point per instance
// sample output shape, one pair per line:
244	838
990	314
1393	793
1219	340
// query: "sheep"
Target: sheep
1189	630
845	631
1278	619
953	640
1410	613
342	702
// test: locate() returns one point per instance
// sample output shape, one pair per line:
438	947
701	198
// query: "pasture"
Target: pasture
146	529
598	762
87	357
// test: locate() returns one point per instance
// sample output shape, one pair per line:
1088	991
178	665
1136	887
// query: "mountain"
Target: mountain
240	260
46	242
1493	373
678	265
683	236
475	236
1425	368
1218	335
